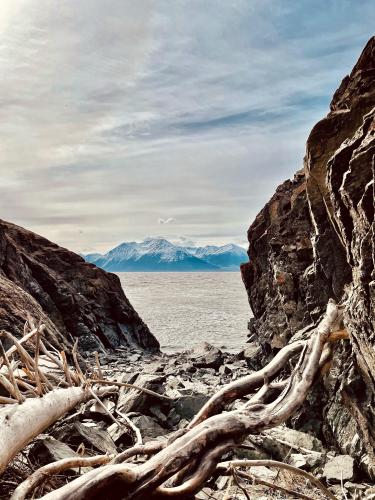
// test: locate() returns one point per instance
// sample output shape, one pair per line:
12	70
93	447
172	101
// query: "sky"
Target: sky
124	119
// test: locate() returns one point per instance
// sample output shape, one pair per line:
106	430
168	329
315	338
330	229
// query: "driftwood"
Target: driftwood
41	474
180	468
37	397
21	423
27	413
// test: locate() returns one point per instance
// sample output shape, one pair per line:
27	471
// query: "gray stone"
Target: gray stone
339	468
90	435
121	435
251	452
183	424
133	400
187	368
47	449
263	473
188	406
221	482
314	459
298	460
155	367
336	490
97	409
134	358
252	354
277	440
355	487
370	493
158	414
195	386
206	356
226	369
205	493
173	417
148	427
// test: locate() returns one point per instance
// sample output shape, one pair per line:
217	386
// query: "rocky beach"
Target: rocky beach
185	382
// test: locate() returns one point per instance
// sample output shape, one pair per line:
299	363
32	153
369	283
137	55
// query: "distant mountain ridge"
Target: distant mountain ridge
159	254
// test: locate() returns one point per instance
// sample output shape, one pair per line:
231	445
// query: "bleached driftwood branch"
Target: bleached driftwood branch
182	467
38	396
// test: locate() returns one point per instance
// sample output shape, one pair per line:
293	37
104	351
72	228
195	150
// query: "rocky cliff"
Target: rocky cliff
314	240
73	298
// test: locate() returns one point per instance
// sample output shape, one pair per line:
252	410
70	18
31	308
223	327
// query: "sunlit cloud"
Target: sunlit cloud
112	112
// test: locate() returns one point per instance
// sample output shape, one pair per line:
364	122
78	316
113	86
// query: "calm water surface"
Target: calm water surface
184	309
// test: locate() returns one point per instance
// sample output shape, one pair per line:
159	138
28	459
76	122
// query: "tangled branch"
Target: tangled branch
190	458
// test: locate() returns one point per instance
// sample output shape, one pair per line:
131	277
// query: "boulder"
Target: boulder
252	355
263	473
206	355
188	406
47	449
149	429
132	400
279	440
91	436
79	299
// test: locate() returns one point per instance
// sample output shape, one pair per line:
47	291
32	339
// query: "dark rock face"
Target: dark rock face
315	240
71	296
281	251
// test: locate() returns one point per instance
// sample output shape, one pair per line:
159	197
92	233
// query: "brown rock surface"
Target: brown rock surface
315	240
71	296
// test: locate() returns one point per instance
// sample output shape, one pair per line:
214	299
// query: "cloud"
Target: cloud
113	111
182	241
166	221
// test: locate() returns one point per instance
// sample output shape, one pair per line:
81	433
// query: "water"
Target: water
184	309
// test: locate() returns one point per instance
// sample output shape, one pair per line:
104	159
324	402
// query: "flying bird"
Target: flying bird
166	221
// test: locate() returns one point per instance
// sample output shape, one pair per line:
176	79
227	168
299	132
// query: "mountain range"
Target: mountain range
158	254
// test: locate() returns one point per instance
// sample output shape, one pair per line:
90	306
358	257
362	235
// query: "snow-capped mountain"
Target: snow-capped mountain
158	254
227	257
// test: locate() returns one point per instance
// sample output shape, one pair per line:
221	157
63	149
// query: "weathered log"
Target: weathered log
20	423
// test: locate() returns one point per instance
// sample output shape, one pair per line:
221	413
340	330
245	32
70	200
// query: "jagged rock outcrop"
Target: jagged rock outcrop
72	297
315	240
281	251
